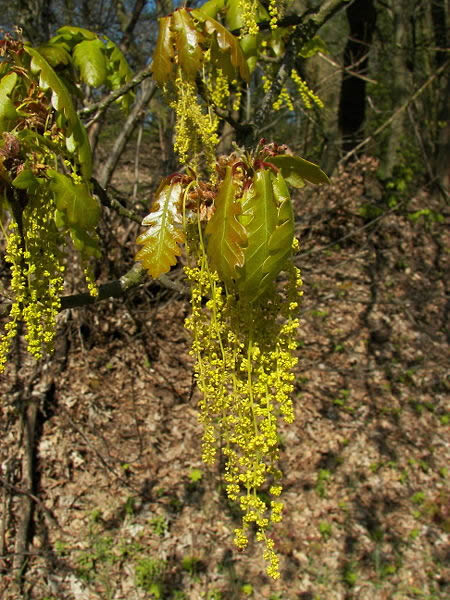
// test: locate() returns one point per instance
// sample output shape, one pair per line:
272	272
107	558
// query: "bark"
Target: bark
35	18
361	17
441	158
400	84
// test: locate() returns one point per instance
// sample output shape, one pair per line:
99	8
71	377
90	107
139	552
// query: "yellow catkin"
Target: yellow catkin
307	95
249	11
244	357
36	277
195	128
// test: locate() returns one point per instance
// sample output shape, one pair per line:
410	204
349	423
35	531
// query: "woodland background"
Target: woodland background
121	506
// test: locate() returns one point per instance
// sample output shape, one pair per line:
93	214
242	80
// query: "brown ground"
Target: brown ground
132	512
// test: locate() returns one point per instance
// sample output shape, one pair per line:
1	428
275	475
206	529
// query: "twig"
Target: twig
107	200
105	102
396	113
36	500
306	28
118	288
348	70
353	232
148	92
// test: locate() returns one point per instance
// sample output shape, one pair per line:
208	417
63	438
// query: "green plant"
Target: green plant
350	574
149	574
325	529
159	525
247	589
191	564
418	498
323	476
195	475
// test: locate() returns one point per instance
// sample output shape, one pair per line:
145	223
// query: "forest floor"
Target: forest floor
127	510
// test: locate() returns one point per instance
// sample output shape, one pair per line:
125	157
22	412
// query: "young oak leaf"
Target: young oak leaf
89	57
164	233
280	242
163	57
261	217
75	200
296	169
226	235
226	41
76	136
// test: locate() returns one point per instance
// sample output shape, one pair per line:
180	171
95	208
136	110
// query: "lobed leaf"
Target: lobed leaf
164	54
188	42
260	218
295	170
164	233
55	54
76	140
212	7
227	43
118	73
75	200
26	180
226	235
89	57
280	242
69	36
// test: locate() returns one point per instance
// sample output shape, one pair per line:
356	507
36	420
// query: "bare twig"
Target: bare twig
396	113
348	70
128	127
105	102
18	490
306	27
135	277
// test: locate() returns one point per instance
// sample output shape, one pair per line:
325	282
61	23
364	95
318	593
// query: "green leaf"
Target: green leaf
7	108
233	18
76	136
54	54
69	36
164	233
295	169
26	180
280	242
226	235
75	199
188	42
89	57
118	73
164	54
84	242
250	45
227	43
260	216
212	7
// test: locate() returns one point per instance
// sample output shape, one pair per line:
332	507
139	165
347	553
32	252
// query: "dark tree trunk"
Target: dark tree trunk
361	16
35	18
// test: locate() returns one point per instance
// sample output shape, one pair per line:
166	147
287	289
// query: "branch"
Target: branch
306	28
113	203
135	277
148	92
105	102
396	113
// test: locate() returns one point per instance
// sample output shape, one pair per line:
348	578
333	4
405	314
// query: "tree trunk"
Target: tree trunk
400	82
362	17
35	17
